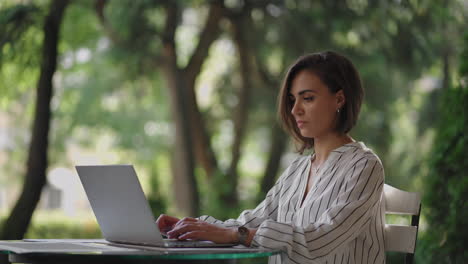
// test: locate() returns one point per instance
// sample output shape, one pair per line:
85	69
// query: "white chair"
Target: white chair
402	238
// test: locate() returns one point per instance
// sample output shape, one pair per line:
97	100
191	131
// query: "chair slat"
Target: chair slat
400	238
401	202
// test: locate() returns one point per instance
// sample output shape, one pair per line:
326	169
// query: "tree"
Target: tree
191	139
17	223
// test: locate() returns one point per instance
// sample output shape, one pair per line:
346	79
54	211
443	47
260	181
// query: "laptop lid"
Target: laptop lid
119	204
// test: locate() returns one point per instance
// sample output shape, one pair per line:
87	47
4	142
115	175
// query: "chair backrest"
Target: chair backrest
401	238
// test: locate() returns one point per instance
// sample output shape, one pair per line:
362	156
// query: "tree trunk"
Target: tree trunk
17	223
202	148
192	139
279	139
446	53
230	198
279	142
446	68
203	151
185	184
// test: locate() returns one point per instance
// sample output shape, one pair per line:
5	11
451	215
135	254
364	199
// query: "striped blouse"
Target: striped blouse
341	219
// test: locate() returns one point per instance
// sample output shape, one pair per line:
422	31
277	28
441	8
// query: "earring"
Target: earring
338	110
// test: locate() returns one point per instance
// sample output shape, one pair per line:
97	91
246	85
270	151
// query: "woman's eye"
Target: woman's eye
311	98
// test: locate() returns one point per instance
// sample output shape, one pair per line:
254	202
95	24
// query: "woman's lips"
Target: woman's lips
300	124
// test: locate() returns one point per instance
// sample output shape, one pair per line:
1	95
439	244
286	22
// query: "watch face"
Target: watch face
243	230
243	234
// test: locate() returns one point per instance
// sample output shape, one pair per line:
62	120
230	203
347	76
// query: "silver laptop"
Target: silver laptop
121	208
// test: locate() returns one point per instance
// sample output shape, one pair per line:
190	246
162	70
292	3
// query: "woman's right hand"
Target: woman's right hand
166	223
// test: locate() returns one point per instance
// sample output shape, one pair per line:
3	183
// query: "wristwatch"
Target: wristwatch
243	234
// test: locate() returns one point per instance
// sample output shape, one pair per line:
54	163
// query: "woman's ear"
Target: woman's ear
340	99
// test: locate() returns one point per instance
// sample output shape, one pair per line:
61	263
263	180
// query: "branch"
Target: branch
168	36
264	74
117	40
99	8
208	35
202	147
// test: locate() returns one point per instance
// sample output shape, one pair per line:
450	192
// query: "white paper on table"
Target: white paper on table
65	246
52	247
93	240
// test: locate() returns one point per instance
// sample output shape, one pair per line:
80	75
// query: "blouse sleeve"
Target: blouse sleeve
355	205
267	209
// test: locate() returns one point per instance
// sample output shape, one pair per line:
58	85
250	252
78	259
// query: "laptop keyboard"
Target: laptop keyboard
193	243
178	243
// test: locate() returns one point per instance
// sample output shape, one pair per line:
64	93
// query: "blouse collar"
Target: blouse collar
342	149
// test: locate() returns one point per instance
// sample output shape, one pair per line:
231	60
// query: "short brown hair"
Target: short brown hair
337	73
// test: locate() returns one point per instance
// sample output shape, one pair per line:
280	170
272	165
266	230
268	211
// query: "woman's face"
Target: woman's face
314	106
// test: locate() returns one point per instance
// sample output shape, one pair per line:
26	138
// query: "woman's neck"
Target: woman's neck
324	145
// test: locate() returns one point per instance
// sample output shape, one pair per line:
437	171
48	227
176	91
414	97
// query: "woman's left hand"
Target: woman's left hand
191	228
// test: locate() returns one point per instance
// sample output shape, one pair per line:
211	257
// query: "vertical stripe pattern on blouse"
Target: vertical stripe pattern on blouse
340	220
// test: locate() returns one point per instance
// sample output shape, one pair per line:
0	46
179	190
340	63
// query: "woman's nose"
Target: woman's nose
296	110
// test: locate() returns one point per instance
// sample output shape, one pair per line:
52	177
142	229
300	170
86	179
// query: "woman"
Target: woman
326	207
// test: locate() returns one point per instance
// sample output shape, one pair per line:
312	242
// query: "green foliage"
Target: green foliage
156	199
56	227
60	229
80	27
445	202
20	43
211	202
14	21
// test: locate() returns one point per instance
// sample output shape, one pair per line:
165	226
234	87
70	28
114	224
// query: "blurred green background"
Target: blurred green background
186	91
